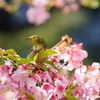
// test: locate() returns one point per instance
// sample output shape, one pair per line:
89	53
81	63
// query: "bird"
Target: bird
38	42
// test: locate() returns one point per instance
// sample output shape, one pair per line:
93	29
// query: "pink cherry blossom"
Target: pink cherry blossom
77	54
2	96
66	9
80	93
61	84
59	3
52	96
40	2
59	90
39	93
1	1
75	7
10	95
88	81
45	76
37	15
81	68
47	87
21	77
55	83
31	15
5	70
3	87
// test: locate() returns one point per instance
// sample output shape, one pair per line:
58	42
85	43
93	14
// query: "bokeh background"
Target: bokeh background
82	25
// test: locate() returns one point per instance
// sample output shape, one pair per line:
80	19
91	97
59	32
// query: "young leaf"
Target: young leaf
1	52
32	59
2	61
36	57
67	97
45	68
23	61
46	53
14	57
50	63
10	51
30	97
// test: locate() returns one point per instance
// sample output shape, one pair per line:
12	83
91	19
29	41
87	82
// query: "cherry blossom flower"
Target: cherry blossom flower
2	96
61	84
54	82
59	3
88	81
3	87
37	15
45	76
40	2
21	78
77	54
39	93
47	86
1	1
52	96
5	70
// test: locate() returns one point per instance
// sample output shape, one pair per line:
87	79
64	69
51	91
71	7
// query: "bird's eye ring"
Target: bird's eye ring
35	37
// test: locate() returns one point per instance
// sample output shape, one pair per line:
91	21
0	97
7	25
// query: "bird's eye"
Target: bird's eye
35	37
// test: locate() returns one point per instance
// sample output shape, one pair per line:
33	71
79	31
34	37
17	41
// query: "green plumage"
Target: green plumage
38	44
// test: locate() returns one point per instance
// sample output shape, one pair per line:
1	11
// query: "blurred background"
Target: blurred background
82	24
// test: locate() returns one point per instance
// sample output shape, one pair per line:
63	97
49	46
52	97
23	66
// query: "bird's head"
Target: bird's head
37	40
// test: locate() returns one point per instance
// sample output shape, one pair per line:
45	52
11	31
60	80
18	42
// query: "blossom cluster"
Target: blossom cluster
39	10
64	77
38	13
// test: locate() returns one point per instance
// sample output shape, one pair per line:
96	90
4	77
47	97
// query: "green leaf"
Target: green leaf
41	55
45	68
46	53
50	63
33	59
2	61
48	8
1	52
94	4
23	61
30	97
73	98
10	51
67	97
36	57
14	57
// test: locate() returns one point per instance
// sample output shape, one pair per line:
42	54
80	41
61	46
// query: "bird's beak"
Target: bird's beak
28	38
